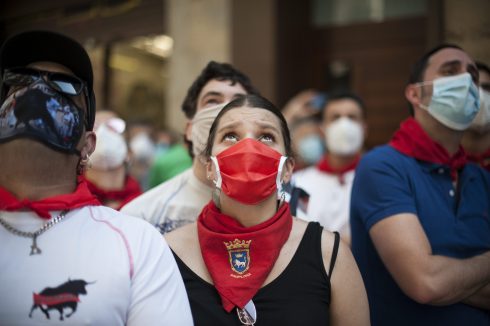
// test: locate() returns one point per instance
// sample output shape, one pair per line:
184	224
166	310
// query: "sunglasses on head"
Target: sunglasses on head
22	76
63	83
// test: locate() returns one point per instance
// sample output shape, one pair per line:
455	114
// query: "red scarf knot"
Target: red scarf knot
482	159
123	196
324	166
238	258
413	141
79	198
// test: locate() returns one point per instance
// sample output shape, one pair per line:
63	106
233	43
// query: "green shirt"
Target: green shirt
169	164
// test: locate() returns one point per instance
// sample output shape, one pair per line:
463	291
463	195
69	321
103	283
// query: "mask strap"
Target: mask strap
279	172
423	106
217	182
424	83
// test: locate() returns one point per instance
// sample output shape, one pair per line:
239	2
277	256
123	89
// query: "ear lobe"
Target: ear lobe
412	95
188	131
89	144
365	129
209	170
288	170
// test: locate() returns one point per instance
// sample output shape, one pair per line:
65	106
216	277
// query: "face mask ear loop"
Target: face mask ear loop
217	190
281	194
279	172
218	180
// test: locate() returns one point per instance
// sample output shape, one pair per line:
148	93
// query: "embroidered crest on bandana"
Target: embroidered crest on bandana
239	255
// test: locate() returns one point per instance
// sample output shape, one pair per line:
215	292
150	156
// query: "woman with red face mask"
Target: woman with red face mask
247	261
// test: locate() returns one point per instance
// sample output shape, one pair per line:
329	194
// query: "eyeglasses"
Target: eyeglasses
22	76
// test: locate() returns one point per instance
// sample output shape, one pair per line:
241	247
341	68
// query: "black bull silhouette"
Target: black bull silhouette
59	298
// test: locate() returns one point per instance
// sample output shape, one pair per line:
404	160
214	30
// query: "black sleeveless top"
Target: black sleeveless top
300	295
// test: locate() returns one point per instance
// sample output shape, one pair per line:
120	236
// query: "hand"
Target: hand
298	106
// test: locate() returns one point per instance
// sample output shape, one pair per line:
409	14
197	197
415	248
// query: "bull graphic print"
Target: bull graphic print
59	298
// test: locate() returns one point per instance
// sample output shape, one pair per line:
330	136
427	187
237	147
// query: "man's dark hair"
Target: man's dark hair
481	66
418	69
346	95
214	70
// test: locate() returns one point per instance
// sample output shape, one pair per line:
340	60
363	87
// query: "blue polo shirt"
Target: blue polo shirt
456	222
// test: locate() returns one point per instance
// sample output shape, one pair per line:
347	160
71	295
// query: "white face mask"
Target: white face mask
454	102
201	123
311	149
344	136
481	123
110	150
142	147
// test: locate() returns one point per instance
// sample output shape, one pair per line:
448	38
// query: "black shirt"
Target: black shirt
300	295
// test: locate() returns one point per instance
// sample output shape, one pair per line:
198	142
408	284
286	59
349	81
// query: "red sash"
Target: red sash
239	258
56	299
482	159
324	166
130	191
413	141
79	198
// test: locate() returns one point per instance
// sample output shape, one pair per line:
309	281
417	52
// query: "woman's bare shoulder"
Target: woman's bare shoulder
182	238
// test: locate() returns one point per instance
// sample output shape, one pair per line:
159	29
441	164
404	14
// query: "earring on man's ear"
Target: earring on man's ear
83	164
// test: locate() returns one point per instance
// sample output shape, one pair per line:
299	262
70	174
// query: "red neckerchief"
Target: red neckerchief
239	258
413	141
130	191
324	166
482	159
79	198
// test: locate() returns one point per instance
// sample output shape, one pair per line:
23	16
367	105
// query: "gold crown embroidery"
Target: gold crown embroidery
237	244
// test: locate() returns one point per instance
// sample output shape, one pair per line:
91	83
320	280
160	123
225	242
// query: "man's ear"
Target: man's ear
88	144
413	95
188	131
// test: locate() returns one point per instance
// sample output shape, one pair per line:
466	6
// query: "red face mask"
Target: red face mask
249	171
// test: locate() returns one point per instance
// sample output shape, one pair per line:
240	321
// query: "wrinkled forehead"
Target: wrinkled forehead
449	55
249	116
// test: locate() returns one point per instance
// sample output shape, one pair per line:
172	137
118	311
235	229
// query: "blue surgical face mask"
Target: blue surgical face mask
311	149
41	113
455	101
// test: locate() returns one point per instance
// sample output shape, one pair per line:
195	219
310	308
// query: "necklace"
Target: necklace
35	250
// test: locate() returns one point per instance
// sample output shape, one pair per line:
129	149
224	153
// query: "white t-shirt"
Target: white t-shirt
173	203
329	201
111	268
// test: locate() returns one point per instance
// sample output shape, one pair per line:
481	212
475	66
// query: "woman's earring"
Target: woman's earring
282	194
216	195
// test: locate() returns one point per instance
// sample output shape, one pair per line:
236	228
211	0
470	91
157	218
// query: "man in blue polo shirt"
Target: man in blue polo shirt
420	214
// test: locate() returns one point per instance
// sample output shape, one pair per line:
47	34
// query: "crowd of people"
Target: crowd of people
260	216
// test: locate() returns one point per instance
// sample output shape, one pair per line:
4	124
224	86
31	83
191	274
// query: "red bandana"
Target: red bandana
413	141
81	197
130	191
239	258
325	166
482	159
